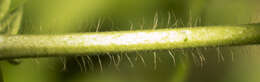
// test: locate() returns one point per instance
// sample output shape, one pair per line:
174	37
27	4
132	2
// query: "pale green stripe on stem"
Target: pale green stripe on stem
16	46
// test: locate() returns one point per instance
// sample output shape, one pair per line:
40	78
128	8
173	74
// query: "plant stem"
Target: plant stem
17	46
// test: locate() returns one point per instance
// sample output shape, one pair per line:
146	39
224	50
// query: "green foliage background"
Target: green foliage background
74	16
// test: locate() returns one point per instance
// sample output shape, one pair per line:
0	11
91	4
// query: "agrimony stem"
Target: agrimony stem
17	46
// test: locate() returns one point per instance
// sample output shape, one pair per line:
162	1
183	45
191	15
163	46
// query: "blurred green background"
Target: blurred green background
222	64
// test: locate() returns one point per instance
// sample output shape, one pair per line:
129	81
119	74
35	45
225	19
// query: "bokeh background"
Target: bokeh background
215	64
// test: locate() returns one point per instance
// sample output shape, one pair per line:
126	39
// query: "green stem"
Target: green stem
16	46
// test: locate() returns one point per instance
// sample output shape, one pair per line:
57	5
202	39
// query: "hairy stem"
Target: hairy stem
17	46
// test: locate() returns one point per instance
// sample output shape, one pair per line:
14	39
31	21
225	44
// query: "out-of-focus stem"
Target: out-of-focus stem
17	46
